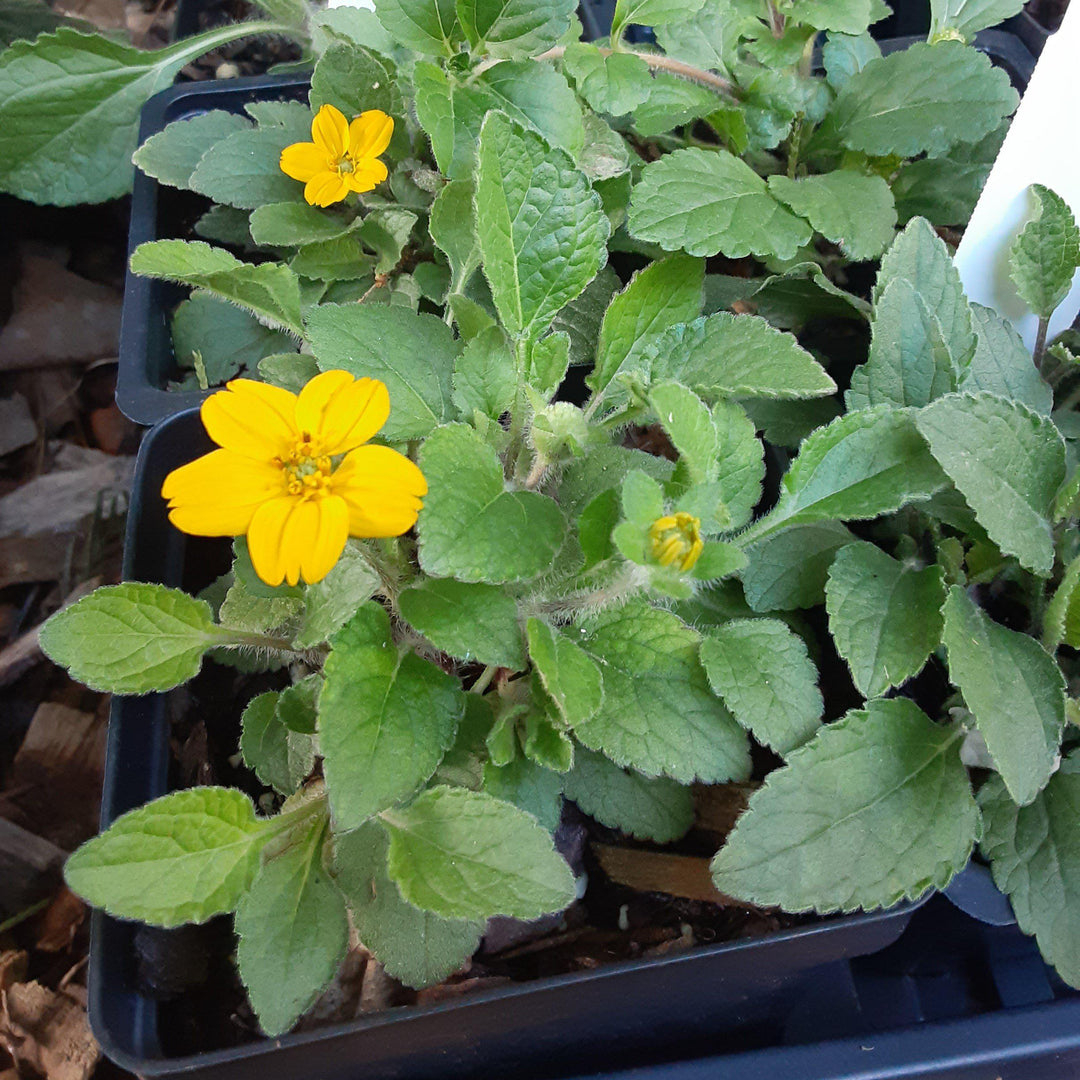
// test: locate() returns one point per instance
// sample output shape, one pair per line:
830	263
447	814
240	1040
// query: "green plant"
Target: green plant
573	615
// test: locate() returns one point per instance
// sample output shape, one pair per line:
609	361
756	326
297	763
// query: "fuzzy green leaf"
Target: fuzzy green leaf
708	202
1007	462
330	603
385	719
533	788
293	931
851	209
453	228
568	673
845	54
616	83
278	757
270	290
354	79
413	354
132	638
185	857
1044	257
789	570
512	29
1061	622
813	840
655	809
173	153
414	946
884	615
473	529
244	169
658	714
766	678
484	379
1014	688
1002	364
428	26
968	17
1034	854
922	99
465	855
541	229
469	621
650	12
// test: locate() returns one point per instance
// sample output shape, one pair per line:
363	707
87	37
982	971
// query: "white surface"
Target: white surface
1042	147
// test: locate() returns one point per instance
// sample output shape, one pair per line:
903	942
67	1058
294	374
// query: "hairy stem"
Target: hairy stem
1040	343
484	680
655	61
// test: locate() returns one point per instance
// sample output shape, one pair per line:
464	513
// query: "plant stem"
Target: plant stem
794	144
776	19
656	61
194	47
517	414
1040	343
484	681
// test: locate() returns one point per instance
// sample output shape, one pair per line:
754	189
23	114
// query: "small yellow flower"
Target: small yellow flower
676	540
278	479
341	157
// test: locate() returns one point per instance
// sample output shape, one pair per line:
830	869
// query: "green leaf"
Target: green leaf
244	169
689	425
650	13
549	359
185	857
725	355
663	294
909	362
581	318
251	612
354	79
413	354
225	225
473	529
1044	257
427	26
453	228
1007	462
414	946
1002	364
296	706
229	340
740	465
787	423
132	638
330	603
707	202
568	673
69	111
614	83
789	570
172	154
465	855
1014	688
845	54
386	231
968	17
707	38
270	290
1061	621
920	257
1034	853
278	757
851	209
812	839
658	713
484	377
922	99
884	615
469	621
293	931
650	809
841	16
861	465
512	29
290	224
541	229
530	787
23	20
766	678
292	116
385	719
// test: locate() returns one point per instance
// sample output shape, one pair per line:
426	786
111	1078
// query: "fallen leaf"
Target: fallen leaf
47	1032
60	921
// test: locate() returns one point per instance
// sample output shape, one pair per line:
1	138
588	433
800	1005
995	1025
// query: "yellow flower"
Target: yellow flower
279	476
341	157
676	539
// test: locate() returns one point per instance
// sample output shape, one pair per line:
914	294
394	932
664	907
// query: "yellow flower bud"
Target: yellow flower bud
676	540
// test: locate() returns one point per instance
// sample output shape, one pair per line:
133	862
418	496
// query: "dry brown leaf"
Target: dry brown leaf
60	922
47	1032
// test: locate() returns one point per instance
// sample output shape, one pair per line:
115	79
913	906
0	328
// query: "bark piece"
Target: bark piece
655	871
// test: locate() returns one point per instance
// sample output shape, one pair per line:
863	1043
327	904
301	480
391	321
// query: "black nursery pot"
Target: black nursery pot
620	1015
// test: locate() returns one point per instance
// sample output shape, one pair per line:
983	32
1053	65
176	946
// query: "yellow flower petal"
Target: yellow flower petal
326	188
382	489
217	494
251	418
342	412
369	134
330	130
316	534
303	160
367	173
264	536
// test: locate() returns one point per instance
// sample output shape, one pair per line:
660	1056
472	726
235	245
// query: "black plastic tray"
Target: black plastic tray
618	1015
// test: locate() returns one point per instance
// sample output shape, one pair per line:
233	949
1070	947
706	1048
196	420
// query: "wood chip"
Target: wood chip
718	806
656	871
60	921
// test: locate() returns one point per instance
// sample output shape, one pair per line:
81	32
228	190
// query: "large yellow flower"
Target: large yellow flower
341	157
279	476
